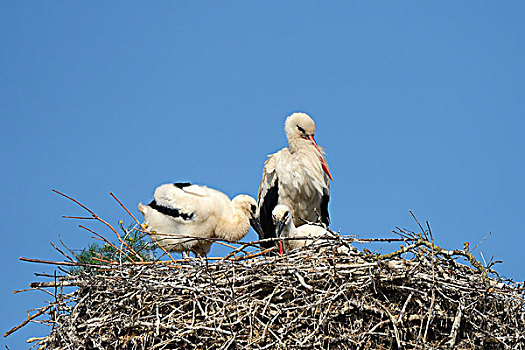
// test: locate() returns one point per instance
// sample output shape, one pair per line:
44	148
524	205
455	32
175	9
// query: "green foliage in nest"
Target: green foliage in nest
134	239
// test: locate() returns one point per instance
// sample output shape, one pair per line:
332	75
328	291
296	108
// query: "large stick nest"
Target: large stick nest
326	295
321	296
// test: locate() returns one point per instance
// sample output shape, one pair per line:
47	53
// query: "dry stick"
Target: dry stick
106	241
421	227
431	309
438	250
65	246
480	242
139	223
96	217
145	230
256	244
34	339
394	323
135	263
22	290
237	250
98	238
401	233
61	252
72	283
388	240
14	329
109	262
400	317
57	309
249	256
226	245
401	251
430	312
32	288
126	209
64	263
78	217
455	326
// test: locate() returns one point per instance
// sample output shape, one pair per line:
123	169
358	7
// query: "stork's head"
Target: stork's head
299	127
246	204
282	218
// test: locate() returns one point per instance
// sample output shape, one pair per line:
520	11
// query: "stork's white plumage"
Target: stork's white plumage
285	228
296	176
186	216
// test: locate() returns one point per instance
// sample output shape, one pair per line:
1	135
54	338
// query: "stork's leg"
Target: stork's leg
206	261
198	259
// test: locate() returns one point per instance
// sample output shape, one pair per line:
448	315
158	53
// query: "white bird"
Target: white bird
285	228
296	176
187	217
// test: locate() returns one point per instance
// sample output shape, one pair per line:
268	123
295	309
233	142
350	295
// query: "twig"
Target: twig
107	242
95	216
14	329
480	242
455	326
60	251
64	263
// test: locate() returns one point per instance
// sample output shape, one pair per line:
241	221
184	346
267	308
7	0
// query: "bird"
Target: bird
188	217
296	176
285	228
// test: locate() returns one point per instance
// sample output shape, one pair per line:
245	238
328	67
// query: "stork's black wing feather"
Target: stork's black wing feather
170	211
182	184
265	217
325	217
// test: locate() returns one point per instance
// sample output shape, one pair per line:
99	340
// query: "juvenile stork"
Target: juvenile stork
187	217
296	176
285	228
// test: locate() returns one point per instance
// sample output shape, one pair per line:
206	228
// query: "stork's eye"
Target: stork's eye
301	129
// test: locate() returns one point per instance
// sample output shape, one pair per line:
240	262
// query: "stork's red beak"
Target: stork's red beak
324	165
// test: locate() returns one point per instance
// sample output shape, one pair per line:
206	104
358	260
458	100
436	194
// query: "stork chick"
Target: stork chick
296	176
188	217
285	228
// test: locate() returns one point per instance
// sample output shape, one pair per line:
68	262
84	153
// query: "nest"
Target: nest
327	295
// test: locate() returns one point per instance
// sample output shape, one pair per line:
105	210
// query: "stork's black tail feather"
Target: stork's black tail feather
265	215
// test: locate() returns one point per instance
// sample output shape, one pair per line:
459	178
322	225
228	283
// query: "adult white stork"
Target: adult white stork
296	176
187	217
285	228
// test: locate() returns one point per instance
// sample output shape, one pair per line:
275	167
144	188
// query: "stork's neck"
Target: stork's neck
289	230
297	144
234	228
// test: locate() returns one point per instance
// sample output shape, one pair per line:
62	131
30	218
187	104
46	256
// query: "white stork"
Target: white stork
284	227
296	176
186	216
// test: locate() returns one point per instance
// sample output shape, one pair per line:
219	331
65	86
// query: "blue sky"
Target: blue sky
419	106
